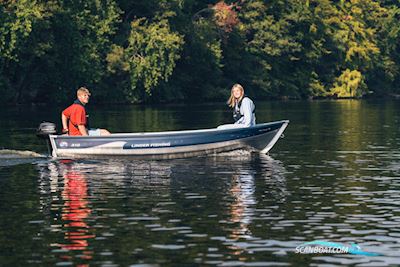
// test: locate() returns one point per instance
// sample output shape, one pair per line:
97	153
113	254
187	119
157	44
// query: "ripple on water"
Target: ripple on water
144	218
145	265
168	247
16	157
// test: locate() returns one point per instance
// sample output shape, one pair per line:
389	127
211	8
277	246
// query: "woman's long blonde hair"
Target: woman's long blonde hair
231	101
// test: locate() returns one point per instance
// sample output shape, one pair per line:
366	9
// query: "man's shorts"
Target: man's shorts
94	132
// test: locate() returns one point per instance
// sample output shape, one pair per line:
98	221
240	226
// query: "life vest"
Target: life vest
236	109
87	115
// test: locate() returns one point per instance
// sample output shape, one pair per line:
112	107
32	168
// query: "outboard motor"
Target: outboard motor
43	132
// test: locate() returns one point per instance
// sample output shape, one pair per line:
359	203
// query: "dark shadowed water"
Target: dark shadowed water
334	177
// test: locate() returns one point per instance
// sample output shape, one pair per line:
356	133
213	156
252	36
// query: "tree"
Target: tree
17	21
51	47
150	56
353	40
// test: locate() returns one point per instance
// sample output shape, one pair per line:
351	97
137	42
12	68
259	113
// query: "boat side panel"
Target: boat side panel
174	152
260	138
64	142
167	152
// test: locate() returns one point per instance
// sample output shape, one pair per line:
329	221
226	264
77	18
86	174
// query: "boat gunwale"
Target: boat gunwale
155	134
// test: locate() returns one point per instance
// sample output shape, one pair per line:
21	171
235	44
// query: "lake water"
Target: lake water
334	177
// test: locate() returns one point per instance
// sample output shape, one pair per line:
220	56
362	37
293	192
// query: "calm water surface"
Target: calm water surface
334	177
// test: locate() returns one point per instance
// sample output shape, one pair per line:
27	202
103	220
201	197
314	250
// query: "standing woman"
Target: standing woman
243	107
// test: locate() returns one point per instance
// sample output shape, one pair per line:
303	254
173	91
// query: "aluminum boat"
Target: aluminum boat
170	144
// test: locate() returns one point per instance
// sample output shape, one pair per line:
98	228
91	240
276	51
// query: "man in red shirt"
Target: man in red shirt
74	118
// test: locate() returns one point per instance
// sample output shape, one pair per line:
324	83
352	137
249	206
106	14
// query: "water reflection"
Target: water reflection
70	200
241	209
76	210
257	187
148	208
77	198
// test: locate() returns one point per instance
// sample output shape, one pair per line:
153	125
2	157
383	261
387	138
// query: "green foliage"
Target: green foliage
384	78
173	50
51	47
16	22
349	84
150	56
354	39
82	50
19	45
316	87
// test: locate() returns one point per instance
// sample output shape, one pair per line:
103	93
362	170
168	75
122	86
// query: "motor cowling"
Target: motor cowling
45	129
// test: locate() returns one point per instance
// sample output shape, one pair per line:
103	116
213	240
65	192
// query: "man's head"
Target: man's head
83	95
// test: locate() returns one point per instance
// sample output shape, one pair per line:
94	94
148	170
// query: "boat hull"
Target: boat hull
176	144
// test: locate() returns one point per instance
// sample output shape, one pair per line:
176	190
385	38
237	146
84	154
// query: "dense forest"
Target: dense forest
132	51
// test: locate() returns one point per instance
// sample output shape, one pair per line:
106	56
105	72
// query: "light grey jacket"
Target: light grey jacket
246	109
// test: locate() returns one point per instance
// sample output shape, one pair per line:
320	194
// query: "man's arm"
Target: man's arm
82	130
64	121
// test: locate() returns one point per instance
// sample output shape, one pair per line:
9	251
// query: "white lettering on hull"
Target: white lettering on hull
166	144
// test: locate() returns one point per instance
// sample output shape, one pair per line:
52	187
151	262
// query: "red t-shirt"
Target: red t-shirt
76	115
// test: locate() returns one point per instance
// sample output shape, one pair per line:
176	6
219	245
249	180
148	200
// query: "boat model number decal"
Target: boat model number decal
63	144
165	144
